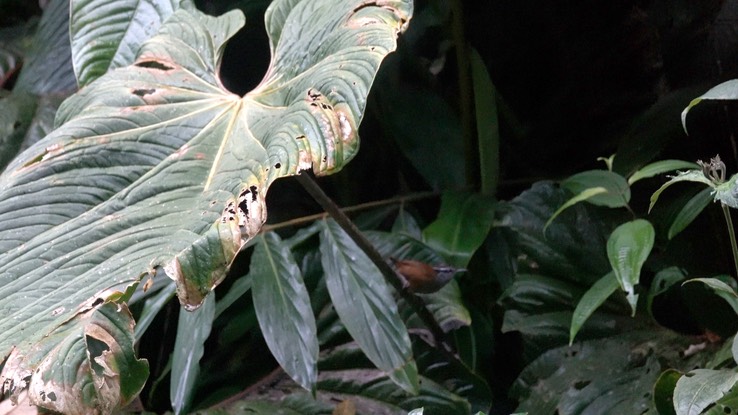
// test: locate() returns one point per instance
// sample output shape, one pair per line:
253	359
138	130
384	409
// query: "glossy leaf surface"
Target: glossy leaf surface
590	301
365	304
156	165
700	388
628	248
283	309
189	346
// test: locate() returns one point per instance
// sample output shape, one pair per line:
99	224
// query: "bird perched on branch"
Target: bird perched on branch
422	278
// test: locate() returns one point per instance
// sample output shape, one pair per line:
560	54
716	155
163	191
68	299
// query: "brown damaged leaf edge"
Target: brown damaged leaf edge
95	344
208	217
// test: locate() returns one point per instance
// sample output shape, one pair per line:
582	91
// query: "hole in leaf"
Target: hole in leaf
278	165
581	384
154	65
96	348
51	396
727	410
143	92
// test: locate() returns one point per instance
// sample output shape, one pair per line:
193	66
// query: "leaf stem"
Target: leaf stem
416	303
731	233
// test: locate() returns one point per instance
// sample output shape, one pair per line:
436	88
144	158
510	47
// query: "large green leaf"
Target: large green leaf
97	48
156	165
86	366
365	304
283	308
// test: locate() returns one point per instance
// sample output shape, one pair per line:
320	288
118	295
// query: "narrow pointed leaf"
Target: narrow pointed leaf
617	194
282	307
189	346
590	301
581	197
722	289
687	176
690	211
701	388
488	131
155	165
660	167
727	91
627	249
97	48
87	365
366	307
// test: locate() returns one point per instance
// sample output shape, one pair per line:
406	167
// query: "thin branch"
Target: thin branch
369	205
415	302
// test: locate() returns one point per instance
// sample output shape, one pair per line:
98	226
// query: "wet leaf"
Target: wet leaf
365	304
283	309
628	248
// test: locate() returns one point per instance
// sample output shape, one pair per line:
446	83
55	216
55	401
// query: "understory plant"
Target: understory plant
149	182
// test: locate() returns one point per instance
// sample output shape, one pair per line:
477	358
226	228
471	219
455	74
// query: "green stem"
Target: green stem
731	233
415	302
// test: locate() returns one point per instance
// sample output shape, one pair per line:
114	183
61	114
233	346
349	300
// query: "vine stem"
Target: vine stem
415	302
731	233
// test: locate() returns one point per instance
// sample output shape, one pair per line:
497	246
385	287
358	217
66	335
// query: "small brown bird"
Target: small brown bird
421	278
